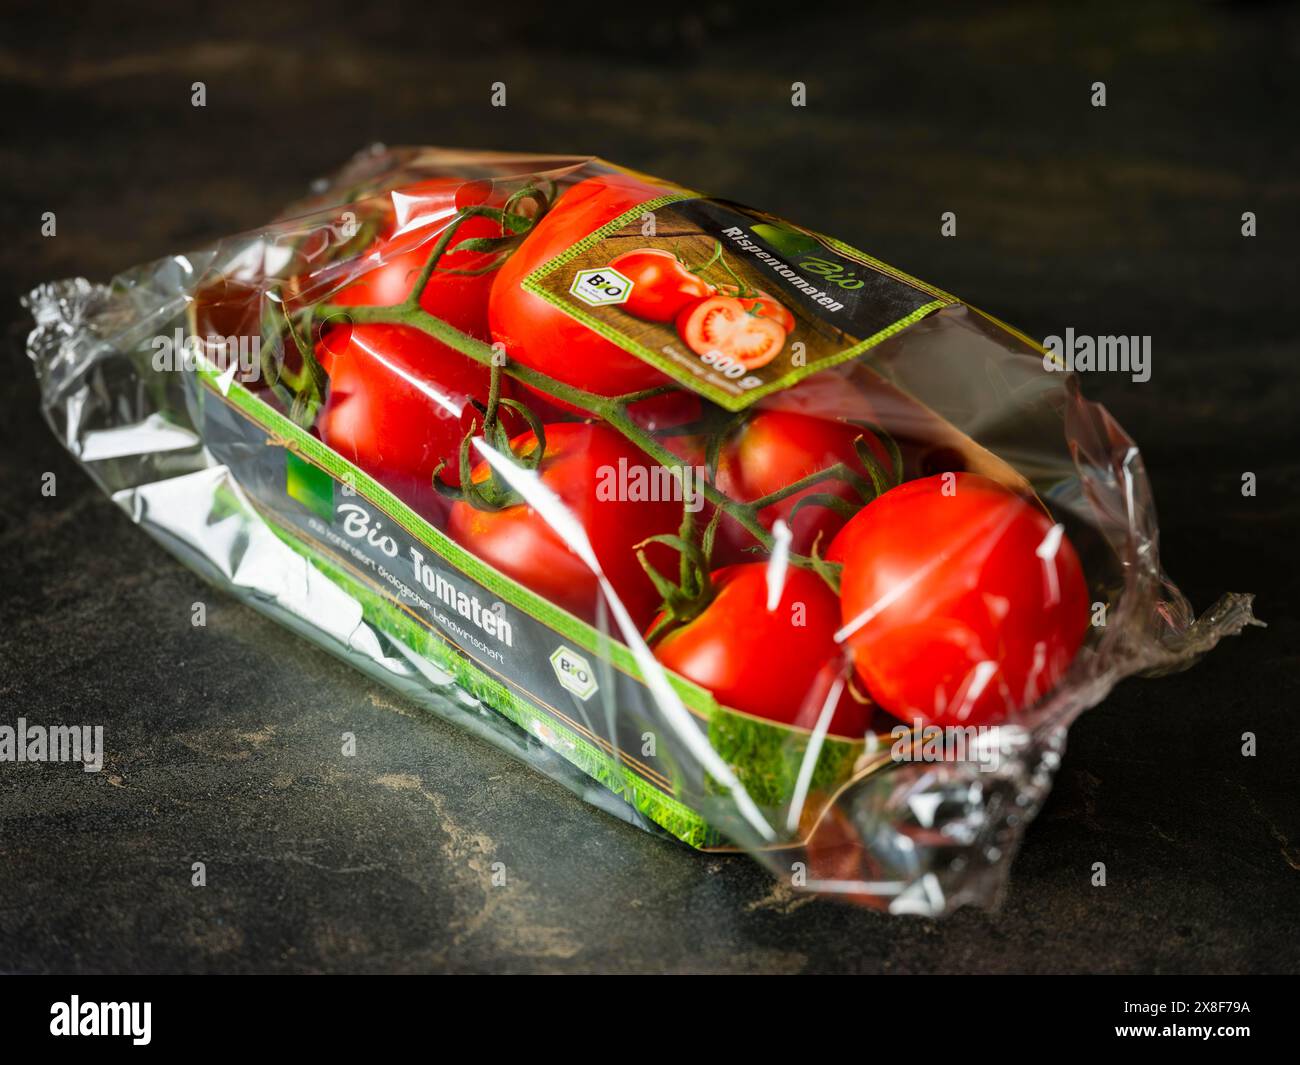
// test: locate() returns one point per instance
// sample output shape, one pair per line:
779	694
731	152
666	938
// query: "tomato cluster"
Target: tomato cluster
949	599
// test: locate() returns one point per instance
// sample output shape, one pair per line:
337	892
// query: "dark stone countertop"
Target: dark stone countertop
222	741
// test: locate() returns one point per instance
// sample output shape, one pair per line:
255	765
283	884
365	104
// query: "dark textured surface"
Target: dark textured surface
222	742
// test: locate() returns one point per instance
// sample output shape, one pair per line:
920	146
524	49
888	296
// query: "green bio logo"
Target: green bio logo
795	243
834	272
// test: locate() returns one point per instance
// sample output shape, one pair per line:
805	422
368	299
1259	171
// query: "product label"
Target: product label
730	302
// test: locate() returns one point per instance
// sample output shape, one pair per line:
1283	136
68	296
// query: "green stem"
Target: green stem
717	255
494	401
647	393
743	291
839	472
431	263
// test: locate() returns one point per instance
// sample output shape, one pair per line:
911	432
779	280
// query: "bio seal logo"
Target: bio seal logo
602	287
574	672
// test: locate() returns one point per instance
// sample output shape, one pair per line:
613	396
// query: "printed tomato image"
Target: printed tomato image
777	663
398	404
518	541
774	449
540	335
761	303
723	329
961	601
661	284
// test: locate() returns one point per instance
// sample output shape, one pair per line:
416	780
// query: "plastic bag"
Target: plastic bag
746	537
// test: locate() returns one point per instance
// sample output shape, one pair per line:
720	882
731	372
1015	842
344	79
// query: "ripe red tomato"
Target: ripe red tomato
963	605
580	466
661	285
721	325
392	265
539	334
774	449
762	303
776	664
398	404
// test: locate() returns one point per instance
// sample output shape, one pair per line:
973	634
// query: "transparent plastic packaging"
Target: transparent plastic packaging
745	537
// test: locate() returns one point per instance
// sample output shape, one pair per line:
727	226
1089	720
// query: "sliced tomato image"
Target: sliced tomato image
761	303
721	327
537	333
780	663
775	448
661	284
579	466
961	602
398	404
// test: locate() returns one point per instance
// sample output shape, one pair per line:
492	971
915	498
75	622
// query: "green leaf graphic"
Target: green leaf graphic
785	240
